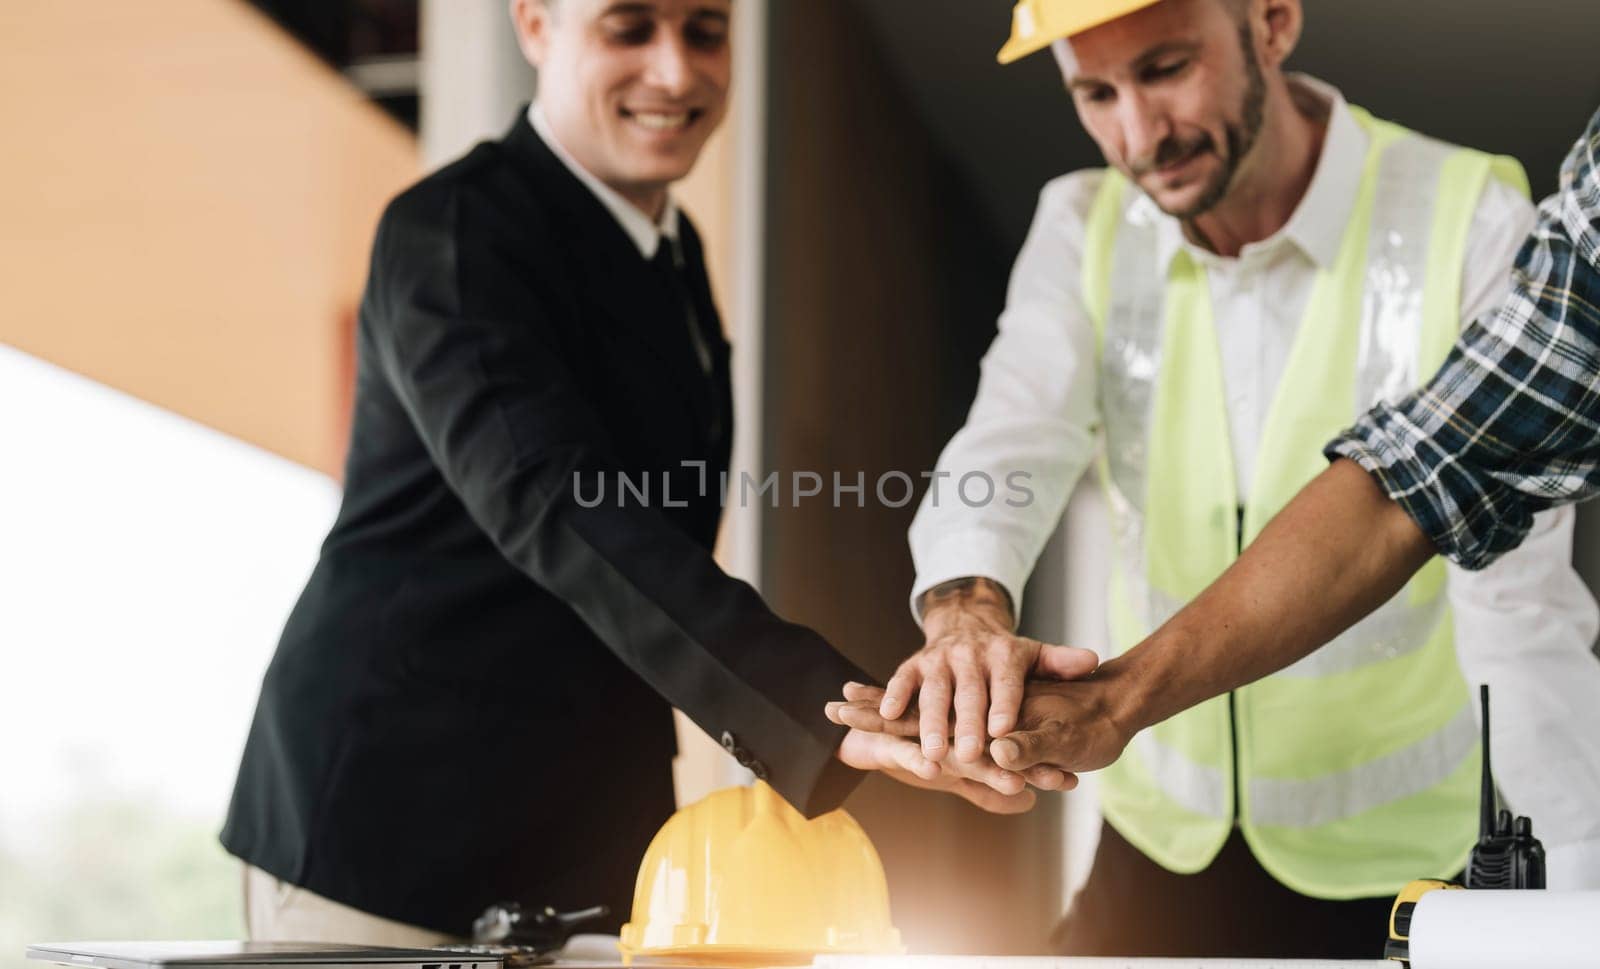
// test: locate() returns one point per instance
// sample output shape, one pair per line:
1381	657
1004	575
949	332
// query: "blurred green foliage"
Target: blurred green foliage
114	870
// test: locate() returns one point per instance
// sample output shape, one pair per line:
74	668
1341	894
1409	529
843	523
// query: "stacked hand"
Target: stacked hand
1062	728
984	784
1019	716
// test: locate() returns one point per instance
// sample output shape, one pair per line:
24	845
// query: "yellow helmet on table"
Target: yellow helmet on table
740	878
1036	24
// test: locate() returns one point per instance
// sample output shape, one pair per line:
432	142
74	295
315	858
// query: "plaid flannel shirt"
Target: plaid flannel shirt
1511	423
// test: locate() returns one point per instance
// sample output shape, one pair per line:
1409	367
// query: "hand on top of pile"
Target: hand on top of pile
1062	728
874	743
973	661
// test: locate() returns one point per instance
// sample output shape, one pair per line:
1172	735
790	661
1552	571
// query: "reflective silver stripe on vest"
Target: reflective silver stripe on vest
1397	268
1387	366
1130	364
1316	801
1195	787
1131	360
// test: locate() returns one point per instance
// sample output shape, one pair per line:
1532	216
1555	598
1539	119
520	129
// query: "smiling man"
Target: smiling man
1258	263
471	702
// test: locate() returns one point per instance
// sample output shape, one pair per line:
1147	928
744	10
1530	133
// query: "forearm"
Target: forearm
1335	553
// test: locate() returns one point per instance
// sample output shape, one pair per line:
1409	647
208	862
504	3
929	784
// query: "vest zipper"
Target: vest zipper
1233	713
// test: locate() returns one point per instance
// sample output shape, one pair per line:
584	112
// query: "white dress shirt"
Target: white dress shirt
1525	625
645	234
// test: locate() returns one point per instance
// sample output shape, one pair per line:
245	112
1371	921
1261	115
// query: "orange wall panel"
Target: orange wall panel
186	202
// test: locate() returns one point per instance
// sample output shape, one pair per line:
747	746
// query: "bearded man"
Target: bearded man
1259	263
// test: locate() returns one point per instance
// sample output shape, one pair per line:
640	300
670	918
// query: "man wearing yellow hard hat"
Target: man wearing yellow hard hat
1260	263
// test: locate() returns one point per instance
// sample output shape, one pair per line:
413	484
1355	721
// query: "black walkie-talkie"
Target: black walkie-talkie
1507	854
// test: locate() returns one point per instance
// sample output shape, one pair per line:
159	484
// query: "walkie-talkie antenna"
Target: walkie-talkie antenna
1507	854
1486	802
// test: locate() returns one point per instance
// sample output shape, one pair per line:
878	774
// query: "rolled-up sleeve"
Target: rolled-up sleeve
1511	423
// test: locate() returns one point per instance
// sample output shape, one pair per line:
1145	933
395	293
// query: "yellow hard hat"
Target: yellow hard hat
740	878
1036	24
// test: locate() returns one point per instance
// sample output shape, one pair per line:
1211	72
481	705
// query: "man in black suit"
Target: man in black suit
471	701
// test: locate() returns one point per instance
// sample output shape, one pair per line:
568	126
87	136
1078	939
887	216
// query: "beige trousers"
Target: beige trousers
276	911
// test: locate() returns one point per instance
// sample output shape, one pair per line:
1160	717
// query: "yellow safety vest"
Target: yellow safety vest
1354	770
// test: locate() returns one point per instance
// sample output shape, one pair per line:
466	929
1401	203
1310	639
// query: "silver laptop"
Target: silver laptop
237	955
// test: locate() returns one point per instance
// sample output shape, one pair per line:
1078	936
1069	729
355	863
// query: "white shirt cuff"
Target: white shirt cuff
971	553
1574	866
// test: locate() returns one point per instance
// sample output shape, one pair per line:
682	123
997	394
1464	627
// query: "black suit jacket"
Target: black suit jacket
471	700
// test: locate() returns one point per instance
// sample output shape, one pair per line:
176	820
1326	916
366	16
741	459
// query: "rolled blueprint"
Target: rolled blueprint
1501	929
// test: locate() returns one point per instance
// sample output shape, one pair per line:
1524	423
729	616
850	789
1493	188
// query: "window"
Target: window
147	564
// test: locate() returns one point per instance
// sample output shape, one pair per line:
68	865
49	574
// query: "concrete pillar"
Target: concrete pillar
473	75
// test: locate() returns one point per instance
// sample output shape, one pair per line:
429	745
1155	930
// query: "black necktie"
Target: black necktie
668	262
